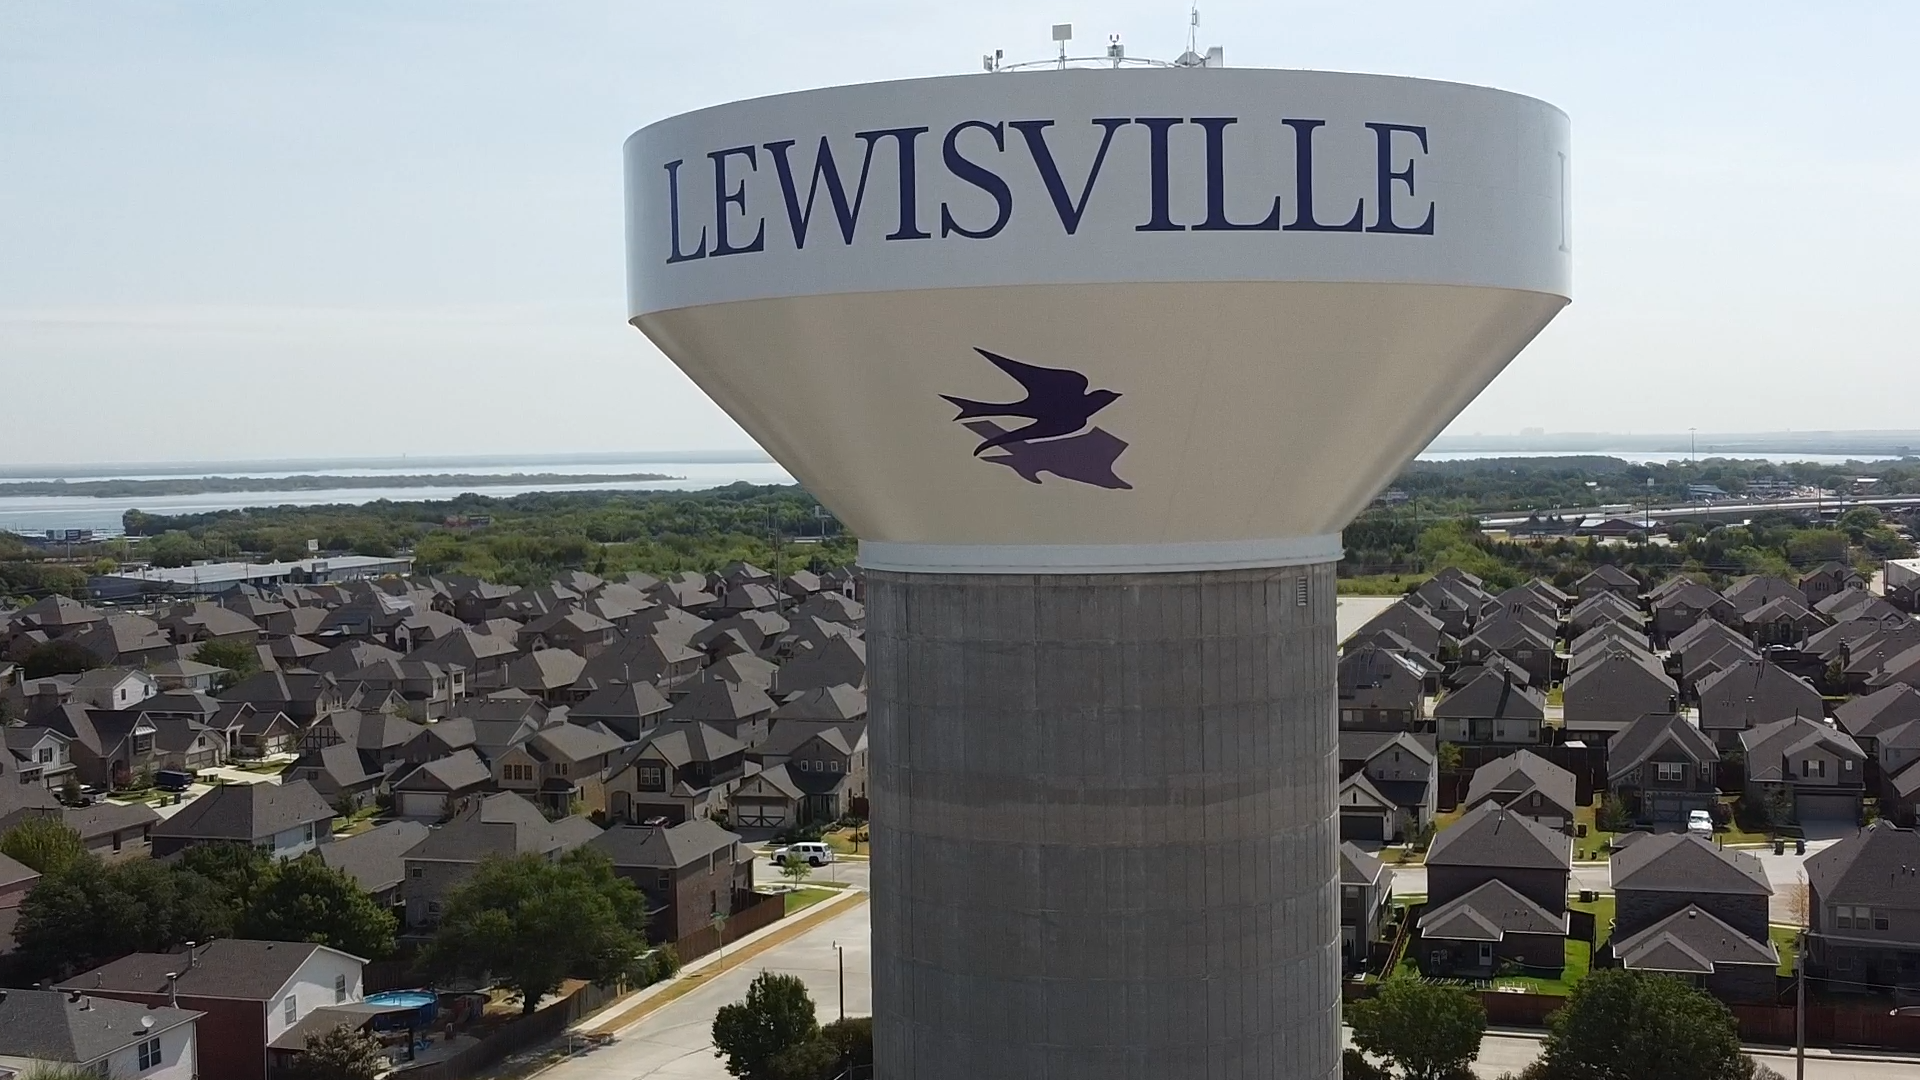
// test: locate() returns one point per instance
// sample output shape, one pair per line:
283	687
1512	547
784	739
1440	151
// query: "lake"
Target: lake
37	514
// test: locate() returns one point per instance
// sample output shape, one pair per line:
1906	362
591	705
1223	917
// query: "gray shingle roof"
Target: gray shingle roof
1768	745
1359	868
1878	866
1682	862
722	700
1617	686
1754	692
1691	942
1493	695
824	703
1513	777
1489	913
247	812
232	968
1490	836
459	771
373	858
49	1025
499	824
663	849
1641	739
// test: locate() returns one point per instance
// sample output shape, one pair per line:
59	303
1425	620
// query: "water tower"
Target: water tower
1098	363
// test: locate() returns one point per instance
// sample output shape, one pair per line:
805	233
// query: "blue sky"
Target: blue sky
253	229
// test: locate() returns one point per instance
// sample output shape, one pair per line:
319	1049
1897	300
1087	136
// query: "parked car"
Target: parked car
813	853
1700	822
172	780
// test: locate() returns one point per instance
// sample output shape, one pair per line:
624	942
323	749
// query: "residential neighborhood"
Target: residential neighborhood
406	731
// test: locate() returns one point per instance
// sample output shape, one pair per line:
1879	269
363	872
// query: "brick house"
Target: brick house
285	820
1493	708
1687	908
1663	768
1606	691
1497	892
689	872
679	770
1366	892
1804	770
1389	786
1864	895
1526	784
1749	692
1380	690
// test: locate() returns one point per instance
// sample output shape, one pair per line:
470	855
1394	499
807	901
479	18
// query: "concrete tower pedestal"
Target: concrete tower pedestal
1104	807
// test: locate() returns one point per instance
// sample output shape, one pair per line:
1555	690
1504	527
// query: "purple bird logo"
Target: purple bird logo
1058	405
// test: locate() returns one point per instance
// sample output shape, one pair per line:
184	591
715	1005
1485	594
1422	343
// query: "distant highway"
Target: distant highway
1715	509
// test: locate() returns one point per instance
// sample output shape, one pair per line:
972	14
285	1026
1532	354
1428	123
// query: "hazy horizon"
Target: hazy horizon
254	232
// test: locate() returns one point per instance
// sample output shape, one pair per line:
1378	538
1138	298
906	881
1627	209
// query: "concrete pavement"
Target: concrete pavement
1505	1053
675	1042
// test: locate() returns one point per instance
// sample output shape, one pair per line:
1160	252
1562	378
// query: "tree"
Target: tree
88	913
795	870
43	844
58	658
306	900
234	870
238	658
343	1053
755	1035
1627	1025
1448	757
1430	1032
530	924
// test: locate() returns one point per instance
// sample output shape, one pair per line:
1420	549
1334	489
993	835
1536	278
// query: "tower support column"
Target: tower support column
1103	806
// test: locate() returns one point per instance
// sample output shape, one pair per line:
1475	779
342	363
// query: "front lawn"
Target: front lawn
1594	845
1786	939
806	896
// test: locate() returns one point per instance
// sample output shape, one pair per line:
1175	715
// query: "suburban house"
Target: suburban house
1493	708
16	880
113	688
1389	786
1381	690
1752	692
825	762
498	824
186	744
1496	894
340	774
1602	608
572	628
1782	621
434	788
560	766
1803	770
375	858
109	747
1751	592
1608	691
285	820
101	1036
1607	578
626	709
690	872
1679	608
430	690
1687	908
1366	892
1526	784
1662	768
113	831
1888	710
1864	900
1828	579
40	754
247	992
305	696
1413	625
679	771
1519	641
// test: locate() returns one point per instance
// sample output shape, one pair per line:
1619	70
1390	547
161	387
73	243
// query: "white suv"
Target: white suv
1700	823
812	853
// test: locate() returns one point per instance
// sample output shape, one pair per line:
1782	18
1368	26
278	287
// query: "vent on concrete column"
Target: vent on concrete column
1300	593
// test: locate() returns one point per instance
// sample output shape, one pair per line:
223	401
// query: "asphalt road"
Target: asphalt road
676	1042
843	870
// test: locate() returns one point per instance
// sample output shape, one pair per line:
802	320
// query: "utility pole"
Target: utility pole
1800	1008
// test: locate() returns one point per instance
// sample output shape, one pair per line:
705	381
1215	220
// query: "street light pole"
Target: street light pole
1800	1008
841	954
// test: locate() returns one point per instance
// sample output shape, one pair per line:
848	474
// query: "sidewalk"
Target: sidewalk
636	1006
1885	1057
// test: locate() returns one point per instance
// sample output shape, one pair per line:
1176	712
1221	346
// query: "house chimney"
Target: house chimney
173	989
99	980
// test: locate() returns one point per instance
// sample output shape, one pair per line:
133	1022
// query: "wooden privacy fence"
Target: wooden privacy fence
515	1035
762	912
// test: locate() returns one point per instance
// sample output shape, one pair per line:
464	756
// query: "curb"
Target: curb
637	1006
1813	1052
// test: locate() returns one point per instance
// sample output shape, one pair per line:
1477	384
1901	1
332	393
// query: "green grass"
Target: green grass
1785	939
1596	841
359	821
805	897
1556	697
1381	584
1577	964
1602	910
1733	833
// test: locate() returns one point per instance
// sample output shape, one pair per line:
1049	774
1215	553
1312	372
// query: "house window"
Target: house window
1536	799
833	766
665	883
150	1054
339	989
1846	766
433	907
1672	772
416	872
292	1011
1880	921
46	755
803	764
306	834
652	778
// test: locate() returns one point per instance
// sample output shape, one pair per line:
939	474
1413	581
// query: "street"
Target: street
675	1043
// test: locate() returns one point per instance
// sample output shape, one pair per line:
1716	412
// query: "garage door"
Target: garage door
1367	826
759	815
1822	807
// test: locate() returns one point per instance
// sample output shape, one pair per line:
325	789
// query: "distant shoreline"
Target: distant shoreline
207	485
